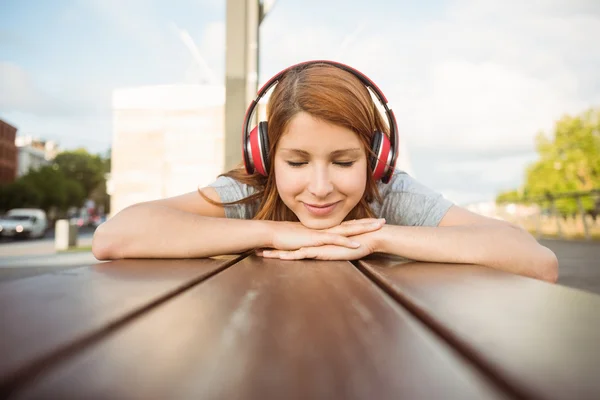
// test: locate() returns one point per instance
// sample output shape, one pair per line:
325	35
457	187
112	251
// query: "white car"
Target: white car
24	222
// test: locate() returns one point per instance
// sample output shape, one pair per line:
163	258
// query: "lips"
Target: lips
320	210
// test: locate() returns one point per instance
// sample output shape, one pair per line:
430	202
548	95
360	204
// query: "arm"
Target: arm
466	237
157	231
178	227
461	237
188	226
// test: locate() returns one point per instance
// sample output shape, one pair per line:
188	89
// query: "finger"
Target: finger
357	229
293	255
328	252
360	221
285	254
340	240
270	253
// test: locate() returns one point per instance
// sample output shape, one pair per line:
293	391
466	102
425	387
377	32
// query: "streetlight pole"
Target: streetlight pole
243	18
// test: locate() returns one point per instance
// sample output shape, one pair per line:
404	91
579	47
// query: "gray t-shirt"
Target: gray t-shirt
405	201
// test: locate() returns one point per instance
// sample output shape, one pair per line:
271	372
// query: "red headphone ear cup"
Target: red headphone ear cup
257	139
263	132
247	153
381	147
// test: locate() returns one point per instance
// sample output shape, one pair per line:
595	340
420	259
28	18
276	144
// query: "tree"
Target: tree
80	166
19	194
56	189
511	196
569	162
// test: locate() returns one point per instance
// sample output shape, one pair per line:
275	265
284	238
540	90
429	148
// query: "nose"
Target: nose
320	184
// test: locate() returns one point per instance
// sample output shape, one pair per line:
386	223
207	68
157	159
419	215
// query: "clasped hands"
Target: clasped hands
349	240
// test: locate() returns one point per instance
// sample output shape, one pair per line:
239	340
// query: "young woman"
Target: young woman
319	181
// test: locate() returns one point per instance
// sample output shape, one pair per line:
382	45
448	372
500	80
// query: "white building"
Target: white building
508	212
167	140
33	153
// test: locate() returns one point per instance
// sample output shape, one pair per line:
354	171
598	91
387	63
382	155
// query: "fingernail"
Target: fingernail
381	219
355	244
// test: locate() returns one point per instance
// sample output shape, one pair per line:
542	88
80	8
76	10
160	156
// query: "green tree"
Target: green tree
87	169
569	161
57	190
511	196
75	193
19	194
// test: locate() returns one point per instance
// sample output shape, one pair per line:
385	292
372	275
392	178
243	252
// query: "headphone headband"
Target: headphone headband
369	84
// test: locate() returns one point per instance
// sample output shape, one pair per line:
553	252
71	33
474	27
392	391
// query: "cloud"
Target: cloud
20	93
500	171
471	82
483	106
212	47
465	80
481	75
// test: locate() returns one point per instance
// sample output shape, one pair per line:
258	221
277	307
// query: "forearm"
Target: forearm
157	231
506	248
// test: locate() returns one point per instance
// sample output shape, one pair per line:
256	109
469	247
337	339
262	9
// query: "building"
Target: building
34	153
167	140
8	153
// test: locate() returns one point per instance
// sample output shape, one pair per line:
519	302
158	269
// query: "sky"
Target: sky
471	81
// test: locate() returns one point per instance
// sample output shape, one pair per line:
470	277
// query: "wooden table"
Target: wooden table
250	328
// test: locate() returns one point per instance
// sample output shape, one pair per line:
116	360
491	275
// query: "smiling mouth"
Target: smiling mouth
321	210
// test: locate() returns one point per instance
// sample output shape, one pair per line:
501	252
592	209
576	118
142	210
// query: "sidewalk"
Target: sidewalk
23	259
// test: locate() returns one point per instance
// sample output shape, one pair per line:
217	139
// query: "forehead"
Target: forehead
305	132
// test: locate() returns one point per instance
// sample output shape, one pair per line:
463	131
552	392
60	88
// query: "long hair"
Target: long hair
327	93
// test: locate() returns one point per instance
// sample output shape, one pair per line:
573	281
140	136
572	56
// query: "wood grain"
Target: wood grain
44	315
268	329
541	339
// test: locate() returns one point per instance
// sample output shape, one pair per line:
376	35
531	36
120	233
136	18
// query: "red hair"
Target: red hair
327	93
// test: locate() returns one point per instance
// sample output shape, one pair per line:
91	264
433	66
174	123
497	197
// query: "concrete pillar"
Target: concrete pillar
65	235
241	72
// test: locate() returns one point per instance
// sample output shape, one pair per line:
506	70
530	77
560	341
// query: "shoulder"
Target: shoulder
406	201
230	190
232	187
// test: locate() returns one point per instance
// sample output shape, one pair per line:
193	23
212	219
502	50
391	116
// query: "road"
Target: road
579	263
23	258
579	260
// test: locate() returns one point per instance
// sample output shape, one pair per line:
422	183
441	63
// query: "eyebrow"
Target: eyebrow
333	153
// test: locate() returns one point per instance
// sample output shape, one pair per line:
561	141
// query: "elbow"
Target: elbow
547	266
104	244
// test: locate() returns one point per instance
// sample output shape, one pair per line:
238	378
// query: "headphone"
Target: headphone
255	144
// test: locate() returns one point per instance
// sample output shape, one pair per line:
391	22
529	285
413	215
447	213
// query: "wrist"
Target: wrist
266	231
380	239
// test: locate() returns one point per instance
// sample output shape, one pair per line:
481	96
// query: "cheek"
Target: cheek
353	185
288	184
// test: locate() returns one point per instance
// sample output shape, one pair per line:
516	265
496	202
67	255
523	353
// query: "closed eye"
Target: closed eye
296	164
344	164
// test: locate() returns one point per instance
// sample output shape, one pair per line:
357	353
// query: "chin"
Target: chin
316	223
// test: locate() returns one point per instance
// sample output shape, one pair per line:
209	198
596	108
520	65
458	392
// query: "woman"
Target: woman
318	181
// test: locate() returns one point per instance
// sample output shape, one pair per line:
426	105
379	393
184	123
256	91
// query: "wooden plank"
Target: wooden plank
539	338
268	329
43	316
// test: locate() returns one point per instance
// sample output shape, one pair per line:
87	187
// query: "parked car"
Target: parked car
24	222
80	218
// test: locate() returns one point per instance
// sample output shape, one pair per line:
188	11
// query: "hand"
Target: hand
366	240
329	252
294	235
